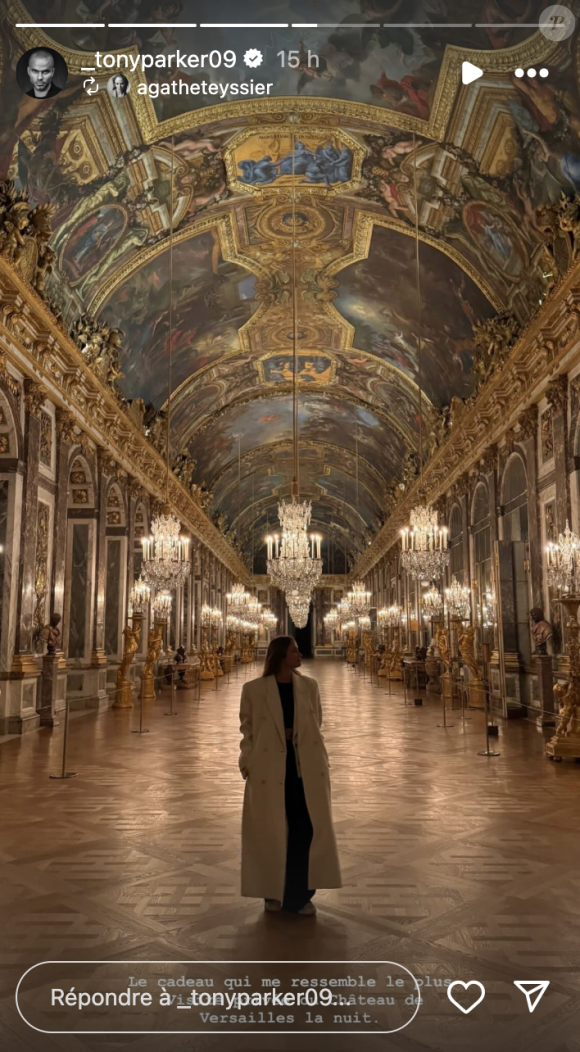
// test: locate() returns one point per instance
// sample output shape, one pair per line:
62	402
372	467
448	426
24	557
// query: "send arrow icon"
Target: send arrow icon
534	990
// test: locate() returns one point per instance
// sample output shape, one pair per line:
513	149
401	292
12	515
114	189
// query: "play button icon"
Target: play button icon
469	72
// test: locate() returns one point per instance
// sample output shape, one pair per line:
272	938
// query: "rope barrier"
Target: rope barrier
161	679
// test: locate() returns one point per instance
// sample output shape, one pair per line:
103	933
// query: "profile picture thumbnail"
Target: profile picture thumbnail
41	72
118	86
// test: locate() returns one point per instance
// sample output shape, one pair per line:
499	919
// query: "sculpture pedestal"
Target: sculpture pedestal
545	673
446	690
147	686
123	695
52	688
476	694
433	671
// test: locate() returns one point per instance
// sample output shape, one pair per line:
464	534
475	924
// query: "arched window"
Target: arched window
515	501
481	533
456	544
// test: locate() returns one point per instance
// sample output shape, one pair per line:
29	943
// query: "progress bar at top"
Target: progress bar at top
275	25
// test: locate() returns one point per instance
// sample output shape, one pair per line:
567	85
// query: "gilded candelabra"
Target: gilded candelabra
124	686
206	655
466	647
566	740
352	643
390	620
154	642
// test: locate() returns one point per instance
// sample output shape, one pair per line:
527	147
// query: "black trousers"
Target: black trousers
296	891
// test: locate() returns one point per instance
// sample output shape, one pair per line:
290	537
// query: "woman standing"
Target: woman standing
288	844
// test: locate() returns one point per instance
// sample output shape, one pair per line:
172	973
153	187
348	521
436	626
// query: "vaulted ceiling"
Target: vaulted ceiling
406	149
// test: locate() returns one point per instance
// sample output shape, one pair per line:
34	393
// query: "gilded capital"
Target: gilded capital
528	422
65	425
556	393
34	397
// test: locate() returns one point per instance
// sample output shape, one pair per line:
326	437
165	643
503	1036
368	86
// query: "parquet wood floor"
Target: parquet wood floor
455	865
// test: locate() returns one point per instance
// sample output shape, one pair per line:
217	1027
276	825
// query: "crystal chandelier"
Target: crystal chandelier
432	604
563	561
292	564
331	619
364	623
162	606
457	598
140	596
425	554
238	598
487	608
299	608
165	554
344	611
268	619
359	599
252	610
389	617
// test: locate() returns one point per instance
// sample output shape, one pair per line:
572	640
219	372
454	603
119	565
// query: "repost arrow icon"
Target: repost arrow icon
90	91
534	990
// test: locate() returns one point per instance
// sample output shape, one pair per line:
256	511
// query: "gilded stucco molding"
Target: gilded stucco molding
66	380
547	349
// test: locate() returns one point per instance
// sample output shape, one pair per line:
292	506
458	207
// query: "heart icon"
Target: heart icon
466	986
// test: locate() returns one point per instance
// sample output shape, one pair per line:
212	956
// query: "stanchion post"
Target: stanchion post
485	650
64	773
141	730
462	688
445	725
172	688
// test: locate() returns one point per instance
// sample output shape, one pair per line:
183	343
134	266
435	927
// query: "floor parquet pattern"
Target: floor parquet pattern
457	866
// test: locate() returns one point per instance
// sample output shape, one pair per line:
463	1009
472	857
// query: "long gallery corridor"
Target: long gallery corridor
454	865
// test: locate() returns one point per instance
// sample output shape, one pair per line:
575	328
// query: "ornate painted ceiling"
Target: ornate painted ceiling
384	141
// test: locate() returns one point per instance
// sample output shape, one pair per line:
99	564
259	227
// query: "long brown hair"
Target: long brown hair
277	650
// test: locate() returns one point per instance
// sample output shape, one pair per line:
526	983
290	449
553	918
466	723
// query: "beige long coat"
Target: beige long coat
263	764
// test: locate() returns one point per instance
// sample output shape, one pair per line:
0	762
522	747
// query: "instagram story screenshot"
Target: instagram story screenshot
289	526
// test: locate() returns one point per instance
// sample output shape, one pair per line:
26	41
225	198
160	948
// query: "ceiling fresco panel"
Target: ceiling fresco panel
212	299
378	296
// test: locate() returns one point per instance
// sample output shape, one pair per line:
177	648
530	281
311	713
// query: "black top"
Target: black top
286	691
52	91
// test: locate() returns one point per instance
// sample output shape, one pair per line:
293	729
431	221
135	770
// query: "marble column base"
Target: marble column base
544	670
94	694
21	689
52	689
